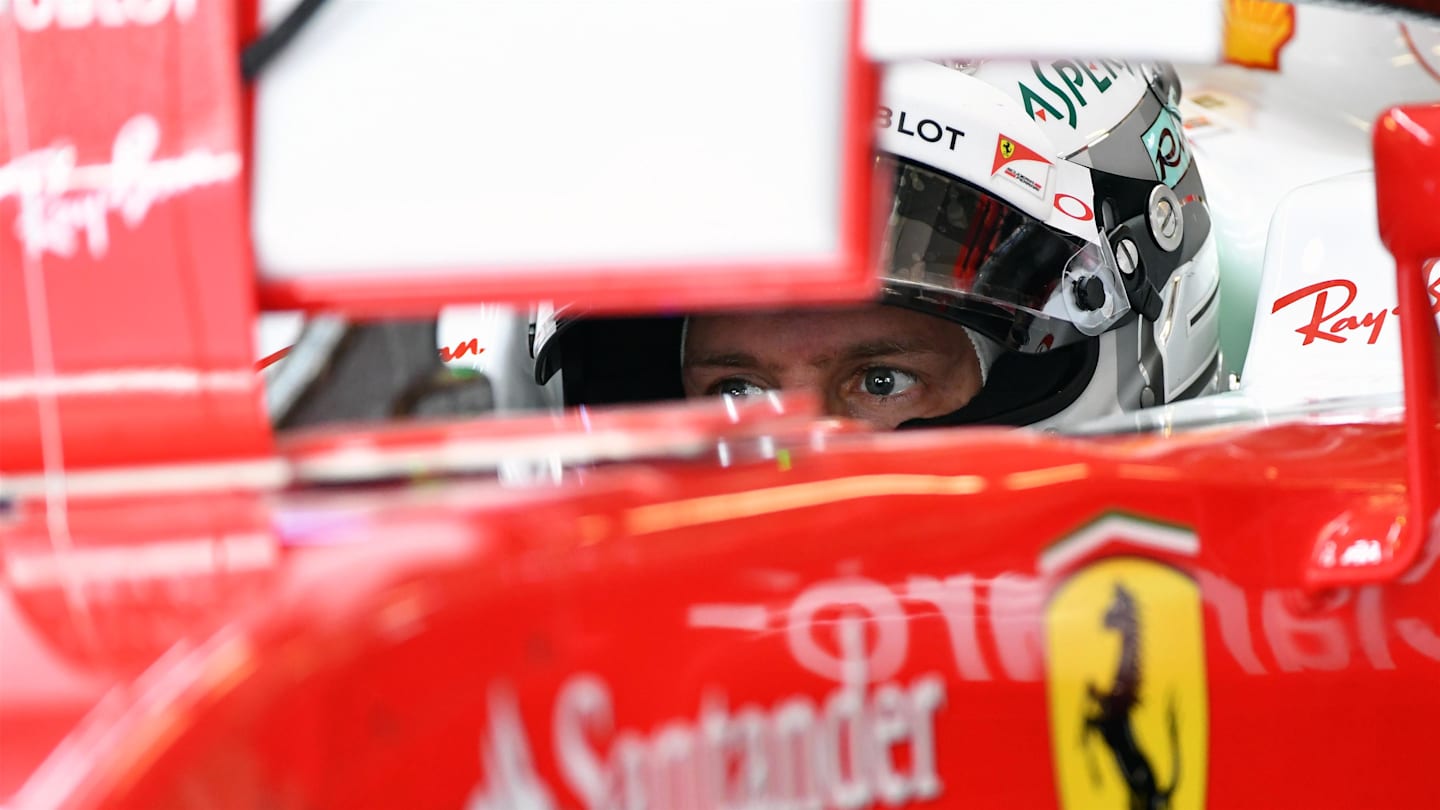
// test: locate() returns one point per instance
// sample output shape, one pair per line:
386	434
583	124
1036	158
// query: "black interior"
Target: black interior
606	361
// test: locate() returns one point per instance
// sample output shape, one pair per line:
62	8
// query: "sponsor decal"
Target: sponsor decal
38	15
1196	122
1165	141
471	346
860	746
509	781
1015	648
1021	165
1207	114
1074	207
63	203
1126	686
1063	86
1295	642
1118	641
460	350
915	126
1331	321
1256	31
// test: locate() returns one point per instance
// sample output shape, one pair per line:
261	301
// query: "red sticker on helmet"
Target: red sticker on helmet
1021	164
1074	207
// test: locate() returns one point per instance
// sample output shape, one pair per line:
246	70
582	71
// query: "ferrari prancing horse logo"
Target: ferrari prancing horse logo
1128	700
1021	165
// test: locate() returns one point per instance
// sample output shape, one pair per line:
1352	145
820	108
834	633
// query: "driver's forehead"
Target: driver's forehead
817	333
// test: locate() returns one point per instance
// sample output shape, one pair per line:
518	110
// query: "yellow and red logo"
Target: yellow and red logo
1007	150
1021	165
1129	709
1256	31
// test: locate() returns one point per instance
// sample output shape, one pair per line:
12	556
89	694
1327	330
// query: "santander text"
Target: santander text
799	753
857	747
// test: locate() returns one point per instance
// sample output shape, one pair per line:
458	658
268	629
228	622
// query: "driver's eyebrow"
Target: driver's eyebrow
722	360
865	350
869	349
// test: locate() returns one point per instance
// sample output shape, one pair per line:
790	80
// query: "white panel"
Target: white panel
1259	134
402	135
1335	333
1178	30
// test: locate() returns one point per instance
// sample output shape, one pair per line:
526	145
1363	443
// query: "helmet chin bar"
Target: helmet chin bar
1025	388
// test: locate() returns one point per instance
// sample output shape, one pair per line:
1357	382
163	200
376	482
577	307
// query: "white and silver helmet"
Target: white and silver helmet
1052	208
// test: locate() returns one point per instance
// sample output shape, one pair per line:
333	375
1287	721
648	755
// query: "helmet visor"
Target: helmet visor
955	251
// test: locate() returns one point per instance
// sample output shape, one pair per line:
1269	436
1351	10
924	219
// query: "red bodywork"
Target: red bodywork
759	606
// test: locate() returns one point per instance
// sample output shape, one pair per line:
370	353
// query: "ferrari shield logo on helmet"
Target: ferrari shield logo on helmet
1021	165
1126	684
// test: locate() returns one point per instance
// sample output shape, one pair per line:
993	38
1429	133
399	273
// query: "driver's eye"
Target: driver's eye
735	387
883	382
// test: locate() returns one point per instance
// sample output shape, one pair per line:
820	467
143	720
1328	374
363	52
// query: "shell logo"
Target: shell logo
1256	31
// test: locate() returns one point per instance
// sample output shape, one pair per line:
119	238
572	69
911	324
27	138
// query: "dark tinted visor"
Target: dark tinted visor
954	250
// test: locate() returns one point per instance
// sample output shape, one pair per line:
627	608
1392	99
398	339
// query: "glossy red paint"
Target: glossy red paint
701	429
1407	184
359	651
697	585
125	327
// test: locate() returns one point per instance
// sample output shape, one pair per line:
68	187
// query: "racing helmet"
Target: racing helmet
1053	209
